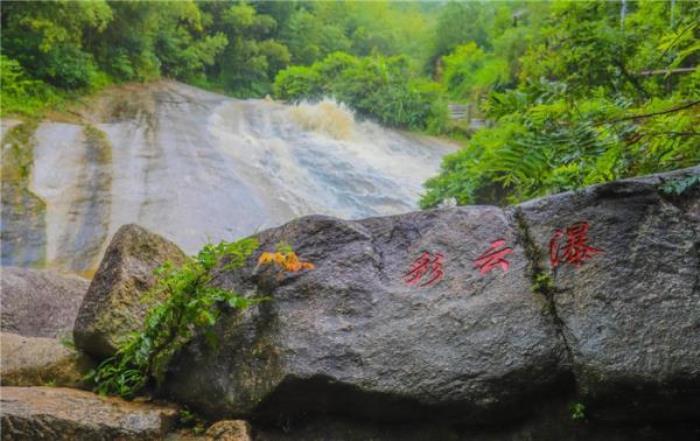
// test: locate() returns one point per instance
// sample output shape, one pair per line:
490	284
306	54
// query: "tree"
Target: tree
47	38
460	23
571	122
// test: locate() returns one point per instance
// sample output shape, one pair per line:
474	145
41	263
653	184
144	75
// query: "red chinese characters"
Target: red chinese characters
573	250
494	257
426	265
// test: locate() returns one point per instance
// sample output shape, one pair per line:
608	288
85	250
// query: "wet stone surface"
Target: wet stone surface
356	335
60	414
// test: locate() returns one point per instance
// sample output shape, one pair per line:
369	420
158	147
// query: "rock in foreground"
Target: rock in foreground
113	306
614	310
355	336
38	361
630	309
38	303
58	414
460	318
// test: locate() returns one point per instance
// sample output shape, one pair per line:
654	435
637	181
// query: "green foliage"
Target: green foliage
66	67
46	38
461	23
53	47
469	72
318	29
542	283
677	187
383	88
191	306
577	410
19	94
247	65
186	418
310	39
234	47
146	40
297	82
570	122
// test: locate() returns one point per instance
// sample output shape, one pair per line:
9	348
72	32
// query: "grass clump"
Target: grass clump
191	305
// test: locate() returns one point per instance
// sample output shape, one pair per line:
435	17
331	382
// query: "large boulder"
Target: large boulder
59	414
39	303
355	336
113	306
628	301
39	361
616	322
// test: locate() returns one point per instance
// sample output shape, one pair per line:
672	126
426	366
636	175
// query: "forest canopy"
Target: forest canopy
569	93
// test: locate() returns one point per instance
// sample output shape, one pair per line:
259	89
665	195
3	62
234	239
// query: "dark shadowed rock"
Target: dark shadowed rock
113	305
39	303
59	414
631	312
338	429
38	361
352	337
550	424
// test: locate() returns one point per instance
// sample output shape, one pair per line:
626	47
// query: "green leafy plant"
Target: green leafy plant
542	283
191	305
577	410
187	418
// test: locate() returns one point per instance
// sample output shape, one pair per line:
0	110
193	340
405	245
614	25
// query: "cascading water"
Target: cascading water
196	166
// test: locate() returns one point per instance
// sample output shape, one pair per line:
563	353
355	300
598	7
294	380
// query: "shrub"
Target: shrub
67	67
381	88
298	83
21	94
191	306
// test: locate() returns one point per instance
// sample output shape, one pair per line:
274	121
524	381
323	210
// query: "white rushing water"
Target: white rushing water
196	166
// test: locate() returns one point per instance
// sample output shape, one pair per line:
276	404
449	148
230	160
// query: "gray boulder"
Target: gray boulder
616	322
353	336
455	318
38	361
39	303
113	306
630	310
60	414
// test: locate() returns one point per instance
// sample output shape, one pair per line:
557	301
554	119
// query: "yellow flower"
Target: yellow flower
288	261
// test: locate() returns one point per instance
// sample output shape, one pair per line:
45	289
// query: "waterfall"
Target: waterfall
196	166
